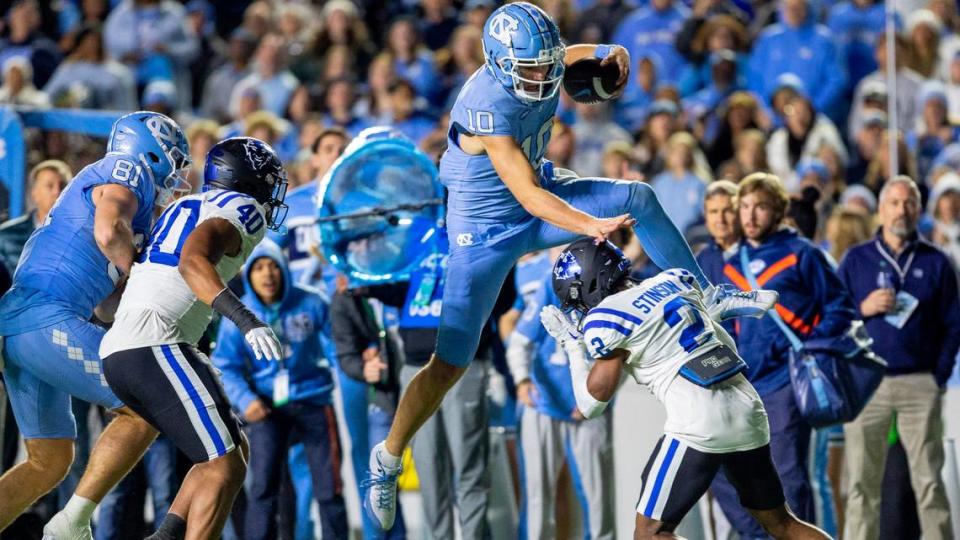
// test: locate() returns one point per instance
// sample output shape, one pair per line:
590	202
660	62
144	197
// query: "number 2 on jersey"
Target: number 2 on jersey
679	310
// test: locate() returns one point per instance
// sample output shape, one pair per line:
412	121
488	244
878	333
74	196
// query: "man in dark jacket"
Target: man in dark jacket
906	291
47	179
813	302
369	349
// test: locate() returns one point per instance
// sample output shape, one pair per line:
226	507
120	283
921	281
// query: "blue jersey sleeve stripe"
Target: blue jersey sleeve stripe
616	313
606	324
223	202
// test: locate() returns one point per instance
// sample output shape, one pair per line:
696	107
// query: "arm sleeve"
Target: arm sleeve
232	360
347	336
950	309
836	305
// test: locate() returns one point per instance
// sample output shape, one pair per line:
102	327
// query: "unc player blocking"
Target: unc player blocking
665	334
70	265
505	200
149	356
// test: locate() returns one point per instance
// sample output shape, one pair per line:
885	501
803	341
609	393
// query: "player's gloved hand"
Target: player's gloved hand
560	327
264	343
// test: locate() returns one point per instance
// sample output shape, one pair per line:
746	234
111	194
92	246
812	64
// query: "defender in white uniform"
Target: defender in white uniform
666	335
150	357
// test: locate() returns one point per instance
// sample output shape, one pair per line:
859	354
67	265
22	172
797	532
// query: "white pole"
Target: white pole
893	120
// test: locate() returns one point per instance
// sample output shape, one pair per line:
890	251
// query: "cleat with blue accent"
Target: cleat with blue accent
725	301
380	488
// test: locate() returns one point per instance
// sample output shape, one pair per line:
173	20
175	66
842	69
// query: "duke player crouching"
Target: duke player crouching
505	200
665	334
150	356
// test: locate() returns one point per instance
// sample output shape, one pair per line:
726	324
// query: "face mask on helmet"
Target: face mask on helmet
536	79
275	208
177	183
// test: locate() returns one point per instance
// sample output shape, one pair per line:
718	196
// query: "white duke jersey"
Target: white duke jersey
663	323
157	306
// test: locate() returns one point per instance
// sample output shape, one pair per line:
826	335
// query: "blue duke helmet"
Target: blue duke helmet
249	166
160	147
518	39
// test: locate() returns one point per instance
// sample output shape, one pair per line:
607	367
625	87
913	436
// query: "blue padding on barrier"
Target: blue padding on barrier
13	153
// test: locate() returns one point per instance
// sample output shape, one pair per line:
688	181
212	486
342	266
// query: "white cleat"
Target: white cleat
61	528
725	301
380	501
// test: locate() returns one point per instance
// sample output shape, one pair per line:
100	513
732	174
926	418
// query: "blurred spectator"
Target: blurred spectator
437	23
17	87
802	135
952	78
801	46
720	217
562	144
92	13
738	114
631	108
270	78
619	161
463	57
563	13
812	302
906	292
933	131
653	30
295	27
338	63
878	171
722	81
220	84
375	106
201	136
908	86
160	96
943	209
597	23
274	131
860	198
749	156
592	130
154	39
339	101
201	17
855	25
661	122
286	401
370	351
45	182
866	143
411	60
410	121
24	39
342	25
947	161
847	227
88	79
679	190
258	18
720	33
476	12
923	32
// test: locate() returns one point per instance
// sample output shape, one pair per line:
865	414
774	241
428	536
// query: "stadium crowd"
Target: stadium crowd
720	91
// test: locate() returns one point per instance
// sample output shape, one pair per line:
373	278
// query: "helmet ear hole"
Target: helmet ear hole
153	157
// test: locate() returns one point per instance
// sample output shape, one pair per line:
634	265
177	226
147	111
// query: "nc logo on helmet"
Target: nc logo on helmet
502	28
161	130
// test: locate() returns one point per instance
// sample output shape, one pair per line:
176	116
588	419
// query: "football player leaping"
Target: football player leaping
665	334
149	356
505	200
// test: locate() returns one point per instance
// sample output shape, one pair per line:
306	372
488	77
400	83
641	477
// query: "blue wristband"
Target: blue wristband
603	51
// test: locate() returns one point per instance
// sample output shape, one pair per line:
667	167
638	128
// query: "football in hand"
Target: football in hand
587	81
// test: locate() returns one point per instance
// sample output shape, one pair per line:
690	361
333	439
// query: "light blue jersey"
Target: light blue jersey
529	277
486	107
62	273
548	370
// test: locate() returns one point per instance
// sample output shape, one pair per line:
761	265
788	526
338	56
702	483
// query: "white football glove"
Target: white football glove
264	343
559	326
